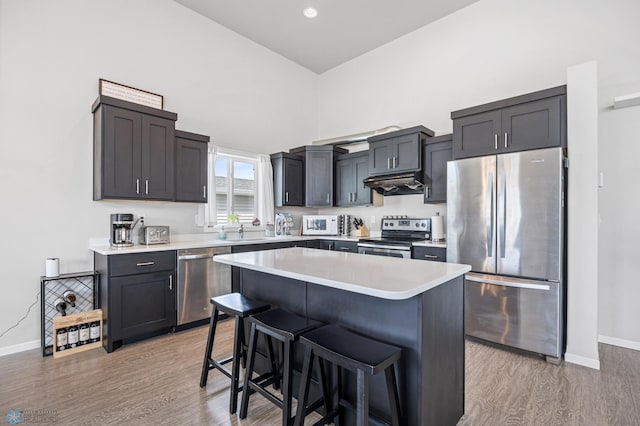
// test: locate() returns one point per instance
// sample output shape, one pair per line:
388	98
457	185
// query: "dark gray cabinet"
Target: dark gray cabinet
318	173
137	295
288	179
532	121
351	169
192	162
437	151
133	151
399	151
339	245
436	254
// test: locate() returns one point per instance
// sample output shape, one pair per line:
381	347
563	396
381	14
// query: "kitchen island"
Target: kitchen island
414	304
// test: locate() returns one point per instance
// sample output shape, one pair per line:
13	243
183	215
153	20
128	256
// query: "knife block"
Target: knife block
362	231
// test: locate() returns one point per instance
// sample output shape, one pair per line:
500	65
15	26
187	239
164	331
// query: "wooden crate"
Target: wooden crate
76	319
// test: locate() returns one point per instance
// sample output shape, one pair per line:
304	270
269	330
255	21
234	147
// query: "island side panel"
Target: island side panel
279	291
397	322
443	353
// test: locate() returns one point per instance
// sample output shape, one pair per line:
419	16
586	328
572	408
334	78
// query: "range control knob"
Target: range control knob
424	225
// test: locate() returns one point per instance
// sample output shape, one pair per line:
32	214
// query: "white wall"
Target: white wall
51	57
495	49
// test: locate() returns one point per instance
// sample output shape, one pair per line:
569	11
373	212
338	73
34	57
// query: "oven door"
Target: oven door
384	250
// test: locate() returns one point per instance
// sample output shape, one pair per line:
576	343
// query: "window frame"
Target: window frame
211	223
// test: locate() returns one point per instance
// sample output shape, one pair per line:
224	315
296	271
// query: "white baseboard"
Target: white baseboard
582	360
20	347
629	344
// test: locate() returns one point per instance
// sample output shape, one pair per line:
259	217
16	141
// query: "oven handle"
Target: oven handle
381	246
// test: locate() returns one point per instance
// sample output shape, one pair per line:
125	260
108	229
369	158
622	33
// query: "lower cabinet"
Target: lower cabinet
339	245
137	295
435	254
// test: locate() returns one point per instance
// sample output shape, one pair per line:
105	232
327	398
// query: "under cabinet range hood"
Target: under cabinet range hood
398	184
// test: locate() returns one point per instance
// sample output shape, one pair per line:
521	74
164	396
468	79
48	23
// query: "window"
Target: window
235	186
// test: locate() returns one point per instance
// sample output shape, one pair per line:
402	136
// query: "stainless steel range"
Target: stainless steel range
398	234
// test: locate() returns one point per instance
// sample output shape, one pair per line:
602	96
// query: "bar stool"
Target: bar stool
362	355
285	327
240	307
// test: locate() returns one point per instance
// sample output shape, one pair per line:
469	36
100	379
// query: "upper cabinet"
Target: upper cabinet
396	152
288	179
192	160
532	121
318	173
351	170
437	151
133	151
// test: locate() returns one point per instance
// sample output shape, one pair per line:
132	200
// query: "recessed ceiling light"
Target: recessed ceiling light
310	12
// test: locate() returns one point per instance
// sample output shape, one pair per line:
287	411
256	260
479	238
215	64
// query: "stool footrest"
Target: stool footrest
271	397
217	365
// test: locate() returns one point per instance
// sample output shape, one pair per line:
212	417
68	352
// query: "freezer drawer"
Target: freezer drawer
515	312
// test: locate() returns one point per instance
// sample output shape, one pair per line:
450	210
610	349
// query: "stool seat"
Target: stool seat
237	305
285	324
351	350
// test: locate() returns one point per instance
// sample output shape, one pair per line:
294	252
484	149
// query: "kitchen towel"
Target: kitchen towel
437	228
52	267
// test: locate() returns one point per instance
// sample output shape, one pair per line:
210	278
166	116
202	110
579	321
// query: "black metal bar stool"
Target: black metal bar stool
240	307
285	327
362	355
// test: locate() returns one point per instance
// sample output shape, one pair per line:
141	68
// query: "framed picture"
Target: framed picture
131	94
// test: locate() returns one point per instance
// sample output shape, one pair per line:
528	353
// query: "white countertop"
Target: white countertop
439	244
106	249
378	276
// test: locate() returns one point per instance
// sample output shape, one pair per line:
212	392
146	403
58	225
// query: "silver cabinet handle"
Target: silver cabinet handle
344	249
355	197
170	282
426	192
395	162
286	197
388	162
506	138
328	197
137	186
146	186
145	264
431	256
204	191
495	141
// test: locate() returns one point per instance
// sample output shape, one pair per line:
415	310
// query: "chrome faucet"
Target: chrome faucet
241	231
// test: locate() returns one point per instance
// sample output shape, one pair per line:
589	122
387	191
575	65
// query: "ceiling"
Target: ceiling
343	29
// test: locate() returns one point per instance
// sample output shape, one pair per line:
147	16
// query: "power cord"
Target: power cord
21	319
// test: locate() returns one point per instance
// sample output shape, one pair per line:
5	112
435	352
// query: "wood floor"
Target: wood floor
155	382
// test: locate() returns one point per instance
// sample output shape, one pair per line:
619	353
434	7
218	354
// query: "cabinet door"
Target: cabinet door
141	304
191	170
436	156
158	142
345	182
533	125
121	150
476	135
293	175
380	154
319	179
406	153
361	172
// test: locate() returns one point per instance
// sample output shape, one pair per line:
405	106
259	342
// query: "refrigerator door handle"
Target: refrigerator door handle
489	214
517	283
502	197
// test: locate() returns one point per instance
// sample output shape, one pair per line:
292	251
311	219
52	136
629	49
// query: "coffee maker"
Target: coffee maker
121	226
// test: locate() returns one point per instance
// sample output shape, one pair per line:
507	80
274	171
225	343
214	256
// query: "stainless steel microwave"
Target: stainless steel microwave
320	224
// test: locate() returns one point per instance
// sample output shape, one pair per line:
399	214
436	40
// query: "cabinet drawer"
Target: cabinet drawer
141	263
348	246
436	254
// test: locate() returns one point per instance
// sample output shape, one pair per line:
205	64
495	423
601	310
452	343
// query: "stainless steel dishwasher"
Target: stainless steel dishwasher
200	279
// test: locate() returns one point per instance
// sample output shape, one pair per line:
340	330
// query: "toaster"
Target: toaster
154	235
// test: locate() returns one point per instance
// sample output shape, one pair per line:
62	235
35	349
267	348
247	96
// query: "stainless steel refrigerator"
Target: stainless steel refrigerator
506	219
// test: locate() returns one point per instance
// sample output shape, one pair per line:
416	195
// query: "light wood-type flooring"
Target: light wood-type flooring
156	382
